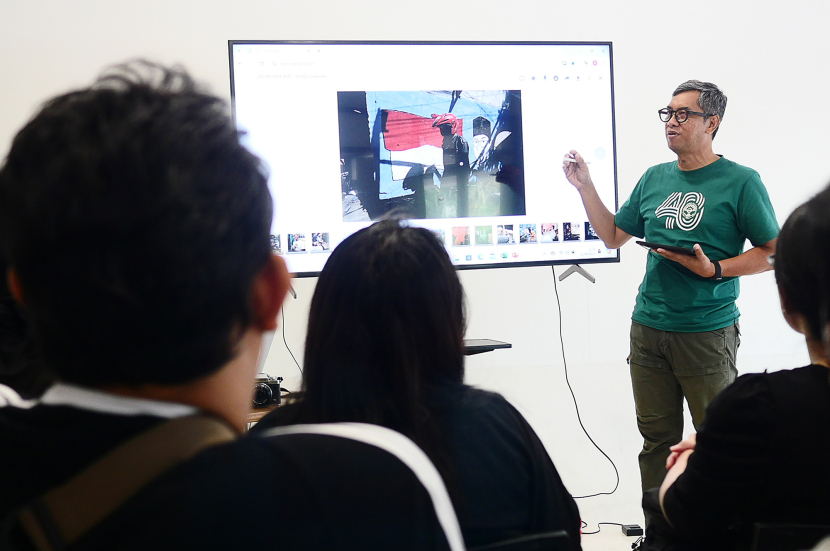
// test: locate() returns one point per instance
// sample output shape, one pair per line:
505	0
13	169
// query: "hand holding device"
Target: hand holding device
697	262
654	246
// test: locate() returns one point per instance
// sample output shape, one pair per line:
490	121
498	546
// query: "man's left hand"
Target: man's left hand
699	263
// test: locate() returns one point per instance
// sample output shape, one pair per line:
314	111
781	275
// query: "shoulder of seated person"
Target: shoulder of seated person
773	380
762	391
279	417
746	386
809	379
482	396
468	395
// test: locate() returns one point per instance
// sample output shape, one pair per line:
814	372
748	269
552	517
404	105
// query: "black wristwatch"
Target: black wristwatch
718	274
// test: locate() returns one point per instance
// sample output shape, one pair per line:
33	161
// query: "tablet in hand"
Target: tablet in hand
671	248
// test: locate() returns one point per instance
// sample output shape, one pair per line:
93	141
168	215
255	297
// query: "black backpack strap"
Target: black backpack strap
64	514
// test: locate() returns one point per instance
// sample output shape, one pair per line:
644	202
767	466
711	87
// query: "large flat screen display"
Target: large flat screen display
466	139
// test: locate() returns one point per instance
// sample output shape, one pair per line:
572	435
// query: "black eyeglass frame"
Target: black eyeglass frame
673	113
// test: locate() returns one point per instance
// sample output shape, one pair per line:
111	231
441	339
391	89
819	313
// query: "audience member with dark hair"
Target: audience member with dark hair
385	346
19	368
754	459
136	230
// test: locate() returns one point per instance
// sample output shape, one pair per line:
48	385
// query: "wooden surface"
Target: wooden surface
258	413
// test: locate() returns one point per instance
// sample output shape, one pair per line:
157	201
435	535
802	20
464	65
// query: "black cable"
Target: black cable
282	308
584	524
576	406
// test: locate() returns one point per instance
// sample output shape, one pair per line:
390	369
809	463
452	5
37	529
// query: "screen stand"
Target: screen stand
575	269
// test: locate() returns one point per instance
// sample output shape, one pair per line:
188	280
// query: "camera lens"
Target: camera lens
262	394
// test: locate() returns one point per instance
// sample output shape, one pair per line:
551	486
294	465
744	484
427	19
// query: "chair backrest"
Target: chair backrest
406	451
787	537
545	541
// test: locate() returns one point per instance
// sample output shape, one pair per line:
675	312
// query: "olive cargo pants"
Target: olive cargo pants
667	367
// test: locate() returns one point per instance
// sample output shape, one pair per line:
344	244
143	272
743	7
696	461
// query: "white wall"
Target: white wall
770	57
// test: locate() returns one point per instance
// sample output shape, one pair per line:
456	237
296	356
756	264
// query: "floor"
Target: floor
610	538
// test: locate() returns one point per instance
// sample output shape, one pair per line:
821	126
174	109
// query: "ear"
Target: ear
712	124
268	293
14	286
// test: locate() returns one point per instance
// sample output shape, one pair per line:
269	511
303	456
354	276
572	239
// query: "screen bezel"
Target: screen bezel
519	264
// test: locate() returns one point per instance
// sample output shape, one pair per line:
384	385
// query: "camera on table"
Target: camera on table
267	391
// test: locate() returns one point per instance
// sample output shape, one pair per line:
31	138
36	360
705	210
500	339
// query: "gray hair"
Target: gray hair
712	100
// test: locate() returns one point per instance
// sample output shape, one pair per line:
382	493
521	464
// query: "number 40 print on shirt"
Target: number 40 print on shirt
686	210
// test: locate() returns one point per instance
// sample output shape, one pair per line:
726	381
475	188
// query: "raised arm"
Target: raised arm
602	219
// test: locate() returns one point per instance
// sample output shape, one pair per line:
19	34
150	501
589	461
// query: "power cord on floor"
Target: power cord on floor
576	406
635	546
584	524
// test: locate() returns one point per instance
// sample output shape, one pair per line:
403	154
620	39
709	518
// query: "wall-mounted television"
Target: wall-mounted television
463	138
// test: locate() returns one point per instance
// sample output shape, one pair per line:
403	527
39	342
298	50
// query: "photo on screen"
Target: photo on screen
296	243
441	236
590	233
550	232
431	154
504	235
320	242
572	231
484	235
276	244
527	233
460	235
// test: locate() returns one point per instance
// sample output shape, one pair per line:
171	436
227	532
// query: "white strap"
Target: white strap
8	397
90	399
404	449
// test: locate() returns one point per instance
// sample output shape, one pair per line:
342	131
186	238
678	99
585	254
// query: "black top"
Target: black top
507	483
760	456
288	492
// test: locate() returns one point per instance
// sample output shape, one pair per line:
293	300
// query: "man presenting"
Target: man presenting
684	331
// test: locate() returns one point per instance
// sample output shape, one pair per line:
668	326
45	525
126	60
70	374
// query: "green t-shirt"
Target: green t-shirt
719	206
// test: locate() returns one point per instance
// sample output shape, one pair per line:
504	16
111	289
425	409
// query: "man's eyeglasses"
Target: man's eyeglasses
680	115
